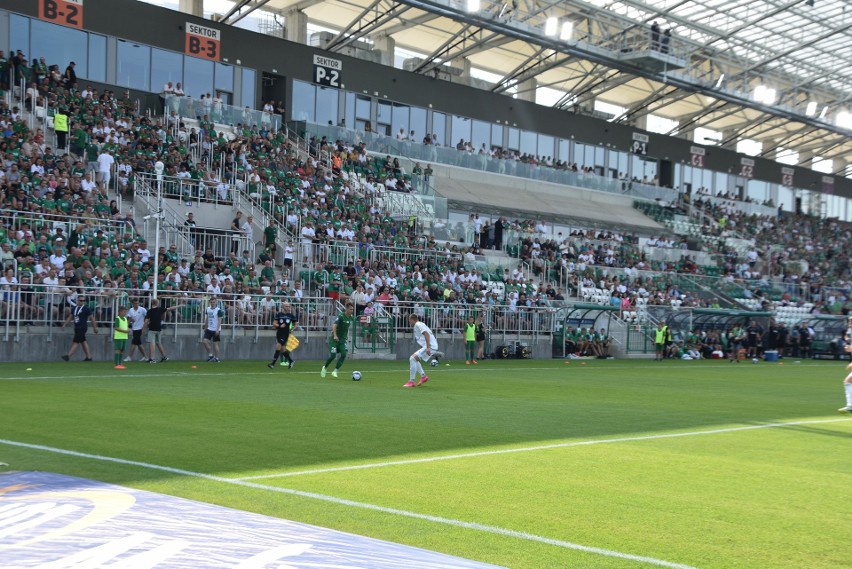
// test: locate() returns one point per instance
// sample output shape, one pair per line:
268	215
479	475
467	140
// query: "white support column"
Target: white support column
462	63
726	134
194	7
806	158
386	45
297	26
526	90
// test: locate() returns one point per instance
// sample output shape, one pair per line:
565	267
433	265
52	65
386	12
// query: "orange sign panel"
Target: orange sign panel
63	12
203	42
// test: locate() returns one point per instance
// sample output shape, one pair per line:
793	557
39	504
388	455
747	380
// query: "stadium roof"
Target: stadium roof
777	71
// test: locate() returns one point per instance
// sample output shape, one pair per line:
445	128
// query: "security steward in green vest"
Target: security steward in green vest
470	341
60	126
660	341
119	336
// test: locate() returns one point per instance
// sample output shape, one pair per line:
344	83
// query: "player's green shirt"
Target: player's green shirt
342	324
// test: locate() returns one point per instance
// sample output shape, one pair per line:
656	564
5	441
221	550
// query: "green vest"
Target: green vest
120	323
60	122
470	332
660	335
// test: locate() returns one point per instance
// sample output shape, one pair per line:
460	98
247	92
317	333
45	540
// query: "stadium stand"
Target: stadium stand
336	220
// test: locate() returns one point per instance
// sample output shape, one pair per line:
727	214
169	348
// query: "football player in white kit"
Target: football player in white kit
847	383
428	349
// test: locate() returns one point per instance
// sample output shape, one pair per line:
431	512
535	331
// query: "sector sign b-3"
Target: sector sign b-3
203	42
327	71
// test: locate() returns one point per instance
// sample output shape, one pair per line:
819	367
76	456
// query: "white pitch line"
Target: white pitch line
535	448
363	505
400	371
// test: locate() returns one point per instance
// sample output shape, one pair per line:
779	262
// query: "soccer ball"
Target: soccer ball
356	376
754	360
433	363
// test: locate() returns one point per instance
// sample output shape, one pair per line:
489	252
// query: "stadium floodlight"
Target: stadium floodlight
844	119
473	5
159	168
824	112
567	31
811	109
551	25
765	95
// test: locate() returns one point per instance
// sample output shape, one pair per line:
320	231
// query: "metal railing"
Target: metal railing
173	224
45	309
504	322
382	144
218	112
408	257
84	226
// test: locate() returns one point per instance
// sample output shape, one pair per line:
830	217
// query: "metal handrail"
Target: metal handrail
48	307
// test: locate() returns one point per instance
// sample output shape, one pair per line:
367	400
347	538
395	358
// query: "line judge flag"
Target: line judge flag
292	343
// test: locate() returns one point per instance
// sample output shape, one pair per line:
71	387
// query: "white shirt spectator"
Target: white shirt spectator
145	254
267	304
58	261
137	317
248	231
87	184
105	162
7	281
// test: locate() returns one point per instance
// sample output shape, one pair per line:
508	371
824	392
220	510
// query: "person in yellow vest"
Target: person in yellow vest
669	342
470	341
480	339
119	337
660	341
60	126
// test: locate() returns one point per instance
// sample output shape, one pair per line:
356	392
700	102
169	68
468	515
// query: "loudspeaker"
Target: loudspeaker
502	352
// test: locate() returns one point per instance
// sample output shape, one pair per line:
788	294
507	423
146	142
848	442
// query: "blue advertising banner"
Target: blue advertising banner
52	521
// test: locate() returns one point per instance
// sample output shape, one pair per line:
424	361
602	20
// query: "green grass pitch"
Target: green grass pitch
525	464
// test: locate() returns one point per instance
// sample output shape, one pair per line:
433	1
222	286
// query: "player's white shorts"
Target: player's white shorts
422	356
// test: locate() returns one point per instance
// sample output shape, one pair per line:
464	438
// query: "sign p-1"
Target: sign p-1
327	71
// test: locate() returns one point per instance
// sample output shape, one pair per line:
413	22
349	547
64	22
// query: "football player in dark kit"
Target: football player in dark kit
284	323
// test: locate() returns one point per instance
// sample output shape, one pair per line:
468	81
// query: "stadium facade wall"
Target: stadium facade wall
165	29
